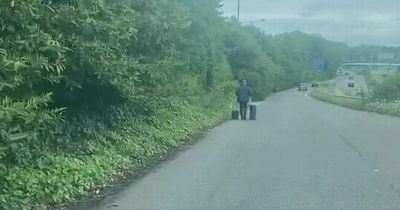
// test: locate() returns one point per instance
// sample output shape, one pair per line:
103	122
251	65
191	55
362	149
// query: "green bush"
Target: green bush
387	89
58	177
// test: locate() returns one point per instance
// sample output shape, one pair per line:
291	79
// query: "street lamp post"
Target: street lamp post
238	11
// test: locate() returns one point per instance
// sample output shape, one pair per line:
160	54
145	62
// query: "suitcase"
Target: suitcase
235	115
253	112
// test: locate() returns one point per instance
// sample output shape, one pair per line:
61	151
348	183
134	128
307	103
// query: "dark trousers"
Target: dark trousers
243	110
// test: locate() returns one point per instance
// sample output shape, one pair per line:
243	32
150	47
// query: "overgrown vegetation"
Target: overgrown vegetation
89	88
386	90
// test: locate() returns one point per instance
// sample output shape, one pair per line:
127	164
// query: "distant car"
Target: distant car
315	84
351	77
339	71
347	73
351	84
302	87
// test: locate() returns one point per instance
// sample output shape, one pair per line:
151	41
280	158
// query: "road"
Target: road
300	154
342	82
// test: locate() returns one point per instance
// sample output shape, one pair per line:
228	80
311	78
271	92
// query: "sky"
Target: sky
355	22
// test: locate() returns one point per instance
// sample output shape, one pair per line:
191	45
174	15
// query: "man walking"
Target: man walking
243	94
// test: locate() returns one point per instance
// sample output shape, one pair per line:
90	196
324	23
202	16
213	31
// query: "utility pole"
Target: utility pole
238	11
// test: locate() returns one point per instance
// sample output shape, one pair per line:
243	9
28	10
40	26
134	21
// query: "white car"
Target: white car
302	87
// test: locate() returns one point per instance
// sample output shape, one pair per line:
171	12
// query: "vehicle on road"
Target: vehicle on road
347	73
339	71
351	77
315	84
302	87
351	84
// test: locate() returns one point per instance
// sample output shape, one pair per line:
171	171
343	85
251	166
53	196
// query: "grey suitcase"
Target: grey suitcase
235	115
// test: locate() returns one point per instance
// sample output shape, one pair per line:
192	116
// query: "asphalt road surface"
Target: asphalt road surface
300	154
342	81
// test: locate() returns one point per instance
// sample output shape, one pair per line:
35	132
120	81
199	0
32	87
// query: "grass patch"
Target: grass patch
349	102
380	107
388	108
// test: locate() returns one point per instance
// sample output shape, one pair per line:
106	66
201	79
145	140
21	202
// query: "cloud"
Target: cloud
352	21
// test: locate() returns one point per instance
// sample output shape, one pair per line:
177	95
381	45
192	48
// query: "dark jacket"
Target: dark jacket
243	94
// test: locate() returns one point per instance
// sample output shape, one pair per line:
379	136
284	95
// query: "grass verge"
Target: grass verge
380	107
349	102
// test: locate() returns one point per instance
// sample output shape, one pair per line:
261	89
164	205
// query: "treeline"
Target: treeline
89	88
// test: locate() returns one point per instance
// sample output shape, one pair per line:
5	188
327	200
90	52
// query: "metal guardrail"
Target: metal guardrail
370	64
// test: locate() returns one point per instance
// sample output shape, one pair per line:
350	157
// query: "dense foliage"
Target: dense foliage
273	63
89	88
387	90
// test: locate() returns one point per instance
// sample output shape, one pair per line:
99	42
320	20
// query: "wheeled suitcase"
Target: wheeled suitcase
253	112
235	115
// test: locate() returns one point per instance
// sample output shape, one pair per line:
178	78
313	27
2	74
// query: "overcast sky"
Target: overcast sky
352	21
